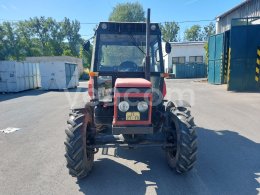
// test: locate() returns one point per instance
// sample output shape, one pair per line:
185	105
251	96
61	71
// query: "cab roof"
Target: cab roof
127	27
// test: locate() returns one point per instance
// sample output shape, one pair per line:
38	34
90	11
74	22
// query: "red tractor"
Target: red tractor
127	106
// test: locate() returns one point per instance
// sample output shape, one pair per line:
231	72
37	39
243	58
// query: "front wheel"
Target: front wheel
182	156
79	158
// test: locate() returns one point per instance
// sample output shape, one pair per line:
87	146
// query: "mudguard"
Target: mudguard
181	103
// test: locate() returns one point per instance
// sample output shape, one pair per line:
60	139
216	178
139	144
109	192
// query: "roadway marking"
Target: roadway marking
258	180
9	130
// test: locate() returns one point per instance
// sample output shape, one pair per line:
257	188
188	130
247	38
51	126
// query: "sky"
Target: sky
90	12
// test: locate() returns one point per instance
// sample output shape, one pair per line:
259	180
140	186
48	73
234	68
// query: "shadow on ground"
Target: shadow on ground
227	163
37	92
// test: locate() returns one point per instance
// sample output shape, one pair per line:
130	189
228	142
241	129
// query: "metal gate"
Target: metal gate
244	41
69	69
218	58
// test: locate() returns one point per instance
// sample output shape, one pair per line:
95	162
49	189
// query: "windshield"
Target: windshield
126	53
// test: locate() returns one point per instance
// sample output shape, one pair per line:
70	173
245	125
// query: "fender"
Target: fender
181	103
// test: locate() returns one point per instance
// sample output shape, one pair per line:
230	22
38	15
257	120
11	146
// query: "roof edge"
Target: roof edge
233	9
188	42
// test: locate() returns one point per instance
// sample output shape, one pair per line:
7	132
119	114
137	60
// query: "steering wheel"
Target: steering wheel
128	66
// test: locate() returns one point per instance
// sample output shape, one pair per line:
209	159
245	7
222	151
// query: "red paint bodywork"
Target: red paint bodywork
128	83
91	87
164	89
132	83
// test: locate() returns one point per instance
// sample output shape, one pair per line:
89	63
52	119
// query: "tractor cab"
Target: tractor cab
120	52
125	87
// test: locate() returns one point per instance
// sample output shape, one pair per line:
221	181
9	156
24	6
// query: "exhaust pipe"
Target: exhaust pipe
147	57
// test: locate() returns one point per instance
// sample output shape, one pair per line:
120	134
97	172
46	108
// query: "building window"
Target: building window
196	59
178	60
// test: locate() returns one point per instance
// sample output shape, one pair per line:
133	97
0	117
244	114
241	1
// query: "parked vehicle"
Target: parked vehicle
127	106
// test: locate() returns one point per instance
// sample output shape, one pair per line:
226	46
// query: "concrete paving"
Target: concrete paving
32	159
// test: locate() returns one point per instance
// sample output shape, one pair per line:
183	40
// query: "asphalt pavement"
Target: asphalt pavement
228	127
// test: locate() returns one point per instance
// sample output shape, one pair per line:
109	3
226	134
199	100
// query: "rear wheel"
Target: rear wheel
79	158
182	156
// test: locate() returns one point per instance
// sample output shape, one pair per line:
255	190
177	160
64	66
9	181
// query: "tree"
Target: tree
209	30
41	28
11	42
193	33
170	31
38	37
128	12
57	35
71	30
29	44
86	56
206	46
2	53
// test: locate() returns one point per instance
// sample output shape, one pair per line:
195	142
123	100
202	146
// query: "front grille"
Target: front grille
133	101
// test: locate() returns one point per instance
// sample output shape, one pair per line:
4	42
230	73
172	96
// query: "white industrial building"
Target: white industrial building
248	8
184	53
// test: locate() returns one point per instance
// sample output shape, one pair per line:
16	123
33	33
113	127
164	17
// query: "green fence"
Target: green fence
190	70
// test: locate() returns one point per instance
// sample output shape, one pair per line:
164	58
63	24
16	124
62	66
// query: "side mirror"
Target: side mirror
168	47
86	46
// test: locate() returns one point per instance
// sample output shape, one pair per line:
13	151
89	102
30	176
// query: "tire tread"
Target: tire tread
75	155
188	141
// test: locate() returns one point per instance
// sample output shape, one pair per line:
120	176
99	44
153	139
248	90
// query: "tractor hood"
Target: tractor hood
132	83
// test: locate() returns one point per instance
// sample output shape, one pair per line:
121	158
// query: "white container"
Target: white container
18	76
58	75
68	59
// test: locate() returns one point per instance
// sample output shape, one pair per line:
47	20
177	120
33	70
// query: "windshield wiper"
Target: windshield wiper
135	44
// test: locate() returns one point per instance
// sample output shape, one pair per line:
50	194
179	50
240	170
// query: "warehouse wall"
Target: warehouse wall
249	9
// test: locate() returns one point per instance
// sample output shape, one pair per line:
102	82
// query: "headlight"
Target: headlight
153	27
104	26
142	106
123	106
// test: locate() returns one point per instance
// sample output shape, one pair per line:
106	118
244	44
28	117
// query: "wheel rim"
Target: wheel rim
173	152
